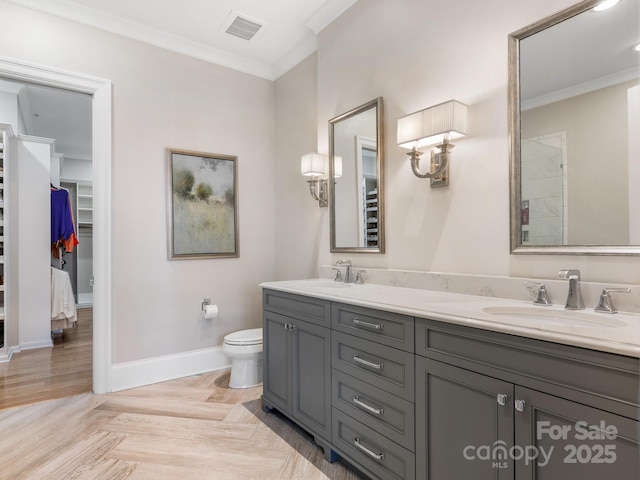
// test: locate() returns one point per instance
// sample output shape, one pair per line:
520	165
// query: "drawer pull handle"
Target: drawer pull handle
502	399
360	403
371	453
520	405
377	366
376	326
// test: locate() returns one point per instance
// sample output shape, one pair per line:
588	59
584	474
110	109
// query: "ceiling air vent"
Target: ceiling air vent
244	28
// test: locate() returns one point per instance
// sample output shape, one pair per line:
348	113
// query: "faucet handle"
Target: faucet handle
542	297
338	275
359	278
343	262
605	304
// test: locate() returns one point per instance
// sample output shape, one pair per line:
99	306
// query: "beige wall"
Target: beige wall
415	54
298	219
597	146
162	99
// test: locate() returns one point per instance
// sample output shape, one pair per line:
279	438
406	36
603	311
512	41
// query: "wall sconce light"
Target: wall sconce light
436	125
316	166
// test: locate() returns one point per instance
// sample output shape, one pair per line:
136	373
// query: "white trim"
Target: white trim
34	345
580	89
327	13
8	353
100	89
168	367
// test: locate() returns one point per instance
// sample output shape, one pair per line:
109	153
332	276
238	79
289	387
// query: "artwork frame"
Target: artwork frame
202	205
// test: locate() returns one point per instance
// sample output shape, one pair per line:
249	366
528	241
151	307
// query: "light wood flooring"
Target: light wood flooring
52	427
47	373
190	428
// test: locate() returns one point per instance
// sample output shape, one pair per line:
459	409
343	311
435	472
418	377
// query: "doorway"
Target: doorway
101	138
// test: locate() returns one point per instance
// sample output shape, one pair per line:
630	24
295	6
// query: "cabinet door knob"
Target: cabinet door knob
502	398
520	405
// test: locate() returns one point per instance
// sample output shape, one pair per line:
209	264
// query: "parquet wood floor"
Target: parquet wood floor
190	428
52	427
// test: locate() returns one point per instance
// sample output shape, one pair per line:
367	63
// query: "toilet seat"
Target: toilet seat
252	336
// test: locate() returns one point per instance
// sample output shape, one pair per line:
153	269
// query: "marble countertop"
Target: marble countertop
615	333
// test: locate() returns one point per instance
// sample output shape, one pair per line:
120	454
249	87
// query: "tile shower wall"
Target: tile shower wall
544	189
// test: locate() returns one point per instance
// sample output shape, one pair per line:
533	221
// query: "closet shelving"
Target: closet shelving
85	205
371	211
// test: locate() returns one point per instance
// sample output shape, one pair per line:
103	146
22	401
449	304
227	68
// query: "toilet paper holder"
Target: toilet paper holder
205	302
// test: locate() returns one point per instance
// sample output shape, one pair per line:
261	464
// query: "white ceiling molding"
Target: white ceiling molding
68	9
580	89
327	13
145	34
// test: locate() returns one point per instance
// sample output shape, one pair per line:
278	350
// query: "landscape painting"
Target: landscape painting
202	205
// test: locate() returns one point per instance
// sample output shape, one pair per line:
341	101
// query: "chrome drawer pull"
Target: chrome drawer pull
372	454
377	326
360	403
377	366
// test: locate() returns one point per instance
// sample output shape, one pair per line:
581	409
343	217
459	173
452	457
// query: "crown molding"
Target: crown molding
127	28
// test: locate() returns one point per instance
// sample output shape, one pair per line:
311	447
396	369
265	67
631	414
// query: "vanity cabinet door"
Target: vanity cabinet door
574	440
460	423
277	361
297	373
311	377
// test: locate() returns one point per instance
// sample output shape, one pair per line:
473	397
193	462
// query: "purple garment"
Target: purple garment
61	222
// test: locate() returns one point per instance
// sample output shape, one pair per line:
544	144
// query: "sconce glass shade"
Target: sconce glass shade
314	165
337	166
432	125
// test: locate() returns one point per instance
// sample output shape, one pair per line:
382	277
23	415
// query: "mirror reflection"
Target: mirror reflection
575	104
355	183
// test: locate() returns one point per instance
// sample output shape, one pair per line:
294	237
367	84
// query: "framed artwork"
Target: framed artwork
202	200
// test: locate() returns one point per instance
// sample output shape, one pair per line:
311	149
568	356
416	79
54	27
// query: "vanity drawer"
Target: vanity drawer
384	367
391	329
604	380
311	309
378	455
387	414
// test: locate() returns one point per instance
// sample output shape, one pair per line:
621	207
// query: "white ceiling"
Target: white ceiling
195	27
190	27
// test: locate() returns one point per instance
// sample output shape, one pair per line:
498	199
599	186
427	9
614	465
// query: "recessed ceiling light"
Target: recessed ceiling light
605	5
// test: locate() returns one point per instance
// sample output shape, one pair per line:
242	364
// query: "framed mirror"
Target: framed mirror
356	186
574	118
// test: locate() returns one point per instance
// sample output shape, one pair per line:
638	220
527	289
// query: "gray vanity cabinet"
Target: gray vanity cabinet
456	412
296	362
550	424
485	401
373	390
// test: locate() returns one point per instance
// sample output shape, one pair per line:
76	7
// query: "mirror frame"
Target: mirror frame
377	104
515	146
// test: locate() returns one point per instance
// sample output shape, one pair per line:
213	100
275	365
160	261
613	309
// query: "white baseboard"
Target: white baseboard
168	367
8	352
32	345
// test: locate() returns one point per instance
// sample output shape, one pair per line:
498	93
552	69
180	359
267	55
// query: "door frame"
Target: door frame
101	136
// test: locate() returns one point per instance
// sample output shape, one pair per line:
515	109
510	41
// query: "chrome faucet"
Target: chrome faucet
574	297
347	271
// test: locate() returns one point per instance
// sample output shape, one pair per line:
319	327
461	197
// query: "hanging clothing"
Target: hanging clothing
63	303
63	232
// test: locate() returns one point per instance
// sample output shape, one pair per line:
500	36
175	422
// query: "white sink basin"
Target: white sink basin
545	316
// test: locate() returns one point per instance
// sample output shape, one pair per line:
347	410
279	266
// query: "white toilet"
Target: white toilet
244	349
